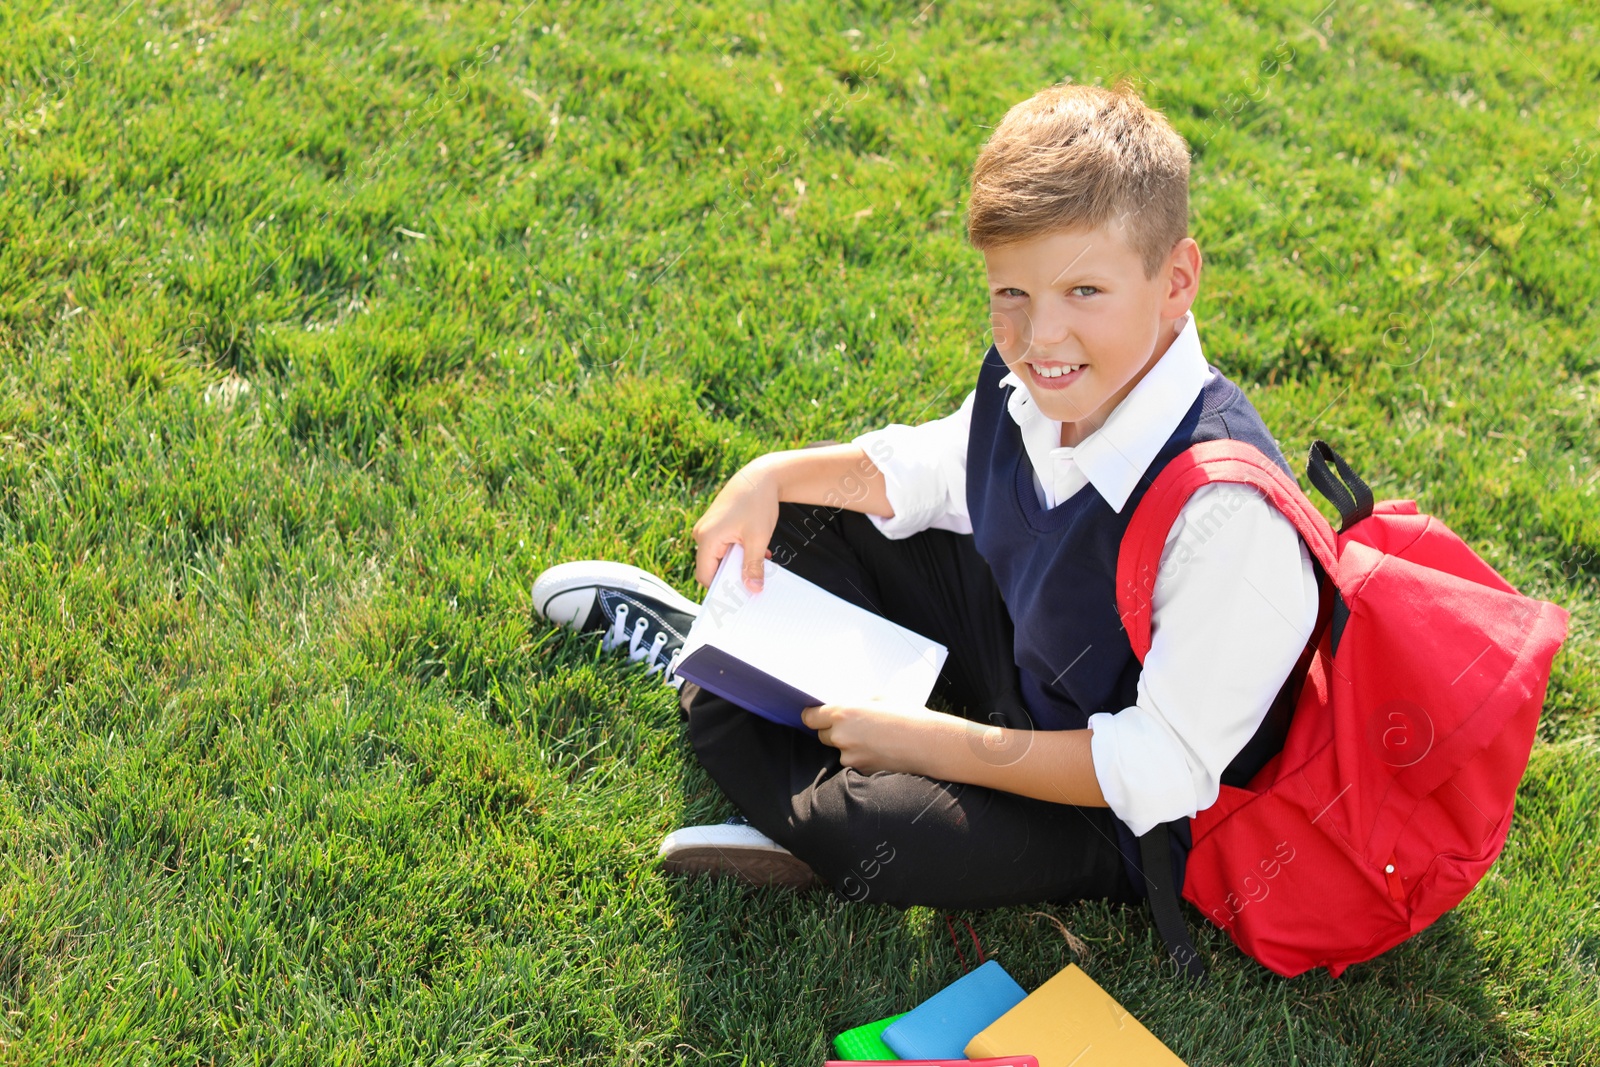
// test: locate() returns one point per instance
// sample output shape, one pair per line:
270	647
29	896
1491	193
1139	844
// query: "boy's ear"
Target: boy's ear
1183	272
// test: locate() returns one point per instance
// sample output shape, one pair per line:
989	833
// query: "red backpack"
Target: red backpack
1415	704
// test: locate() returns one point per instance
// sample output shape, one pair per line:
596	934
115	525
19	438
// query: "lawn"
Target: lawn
324	329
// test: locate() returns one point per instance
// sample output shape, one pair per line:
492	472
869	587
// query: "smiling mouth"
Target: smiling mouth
1052	377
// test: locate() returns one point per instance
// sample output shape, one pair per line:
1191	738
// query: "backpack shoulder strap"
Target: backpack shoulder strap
1137	561
1201	464
1155	859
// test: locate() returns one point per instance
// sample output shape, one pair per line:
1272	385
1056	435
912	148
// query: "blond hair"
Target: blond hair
1081	156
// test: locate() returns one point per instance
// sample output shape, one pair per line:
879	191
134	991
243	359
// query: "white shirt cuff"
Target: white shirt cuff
1160	780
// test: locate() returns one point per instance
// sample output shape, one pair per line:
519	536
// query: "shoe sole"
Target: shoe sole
754	866
597	574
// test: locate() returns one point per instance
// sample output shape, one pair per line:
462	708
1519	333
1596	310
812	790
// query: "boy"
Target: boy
995	531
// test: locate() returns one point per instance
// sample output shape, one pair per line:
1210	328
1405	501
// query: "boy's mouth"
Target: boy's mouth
1055	375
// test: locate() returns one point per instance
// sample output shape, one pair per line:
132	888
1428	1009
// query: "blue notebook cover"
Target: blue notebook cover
941	1026
733	679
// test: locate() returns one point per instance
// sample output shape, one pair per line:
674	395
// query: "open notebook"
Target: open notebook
794	644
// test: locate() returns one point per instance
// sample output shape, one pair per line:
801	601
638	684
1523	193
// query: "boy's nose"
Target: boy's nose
1047	330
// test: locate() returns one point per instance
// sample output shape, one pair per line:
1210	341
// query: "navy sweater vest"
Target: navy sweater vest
1056	570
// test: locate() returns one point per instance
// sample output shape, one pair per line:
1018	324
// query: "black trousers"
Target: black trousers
903	839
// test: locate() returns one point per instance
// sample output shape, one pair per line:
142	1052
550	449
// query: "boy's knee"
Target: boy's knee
686	694
852	847
713	727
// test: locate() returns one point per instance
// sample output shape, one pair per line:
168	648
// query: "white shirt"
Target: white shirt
1235	597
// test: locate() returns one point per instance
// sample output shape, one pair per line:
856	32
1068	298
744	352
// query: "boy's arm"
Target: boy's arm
1234	603
906	478
835	476
924	468
1054	765
745	511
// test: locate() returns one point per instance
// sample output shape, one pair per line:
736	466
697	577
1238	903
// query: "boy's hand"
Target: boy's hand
884	737
744	513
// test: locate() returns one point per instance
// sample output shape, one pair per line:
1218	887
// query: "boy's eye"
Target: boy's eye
1012	291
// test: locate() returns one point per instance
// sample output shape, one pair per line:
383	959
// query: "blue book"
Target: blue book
941	1026
794	645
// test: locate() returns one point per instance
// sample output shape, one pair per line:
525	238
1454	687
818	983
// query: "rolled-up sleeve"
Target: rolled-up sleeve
1234	603
924	472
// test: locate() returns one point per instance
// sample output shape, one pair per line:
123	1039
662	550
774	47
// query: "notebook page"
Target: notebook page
810	639
724	598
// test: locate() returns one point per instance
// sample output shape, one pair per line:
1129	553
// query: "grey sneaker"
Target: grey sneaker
736	849
630	607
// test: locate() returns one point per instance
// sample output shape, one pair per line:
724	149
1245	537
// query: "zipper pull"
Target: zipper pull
1396	890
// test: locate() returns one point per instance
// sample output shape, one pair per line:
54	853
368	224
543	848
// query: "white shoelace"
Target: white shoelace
651	656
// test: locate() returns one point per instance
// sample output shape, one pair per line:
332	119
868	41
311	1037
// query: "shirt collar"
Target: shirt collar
1115	456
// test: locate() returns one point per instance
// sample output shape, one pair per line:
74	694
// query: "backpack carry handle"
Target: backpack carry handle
1351	496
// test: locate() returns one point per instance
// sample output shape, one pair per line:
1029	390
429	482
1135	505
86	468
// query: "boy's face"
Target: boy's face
1079	299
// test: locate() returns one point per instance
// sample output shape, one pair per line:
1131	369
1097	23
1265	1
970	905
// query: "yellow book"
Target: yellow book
1071	1022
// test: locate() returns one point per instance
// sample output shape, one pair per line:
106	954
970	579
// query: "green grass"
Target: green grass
288	772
